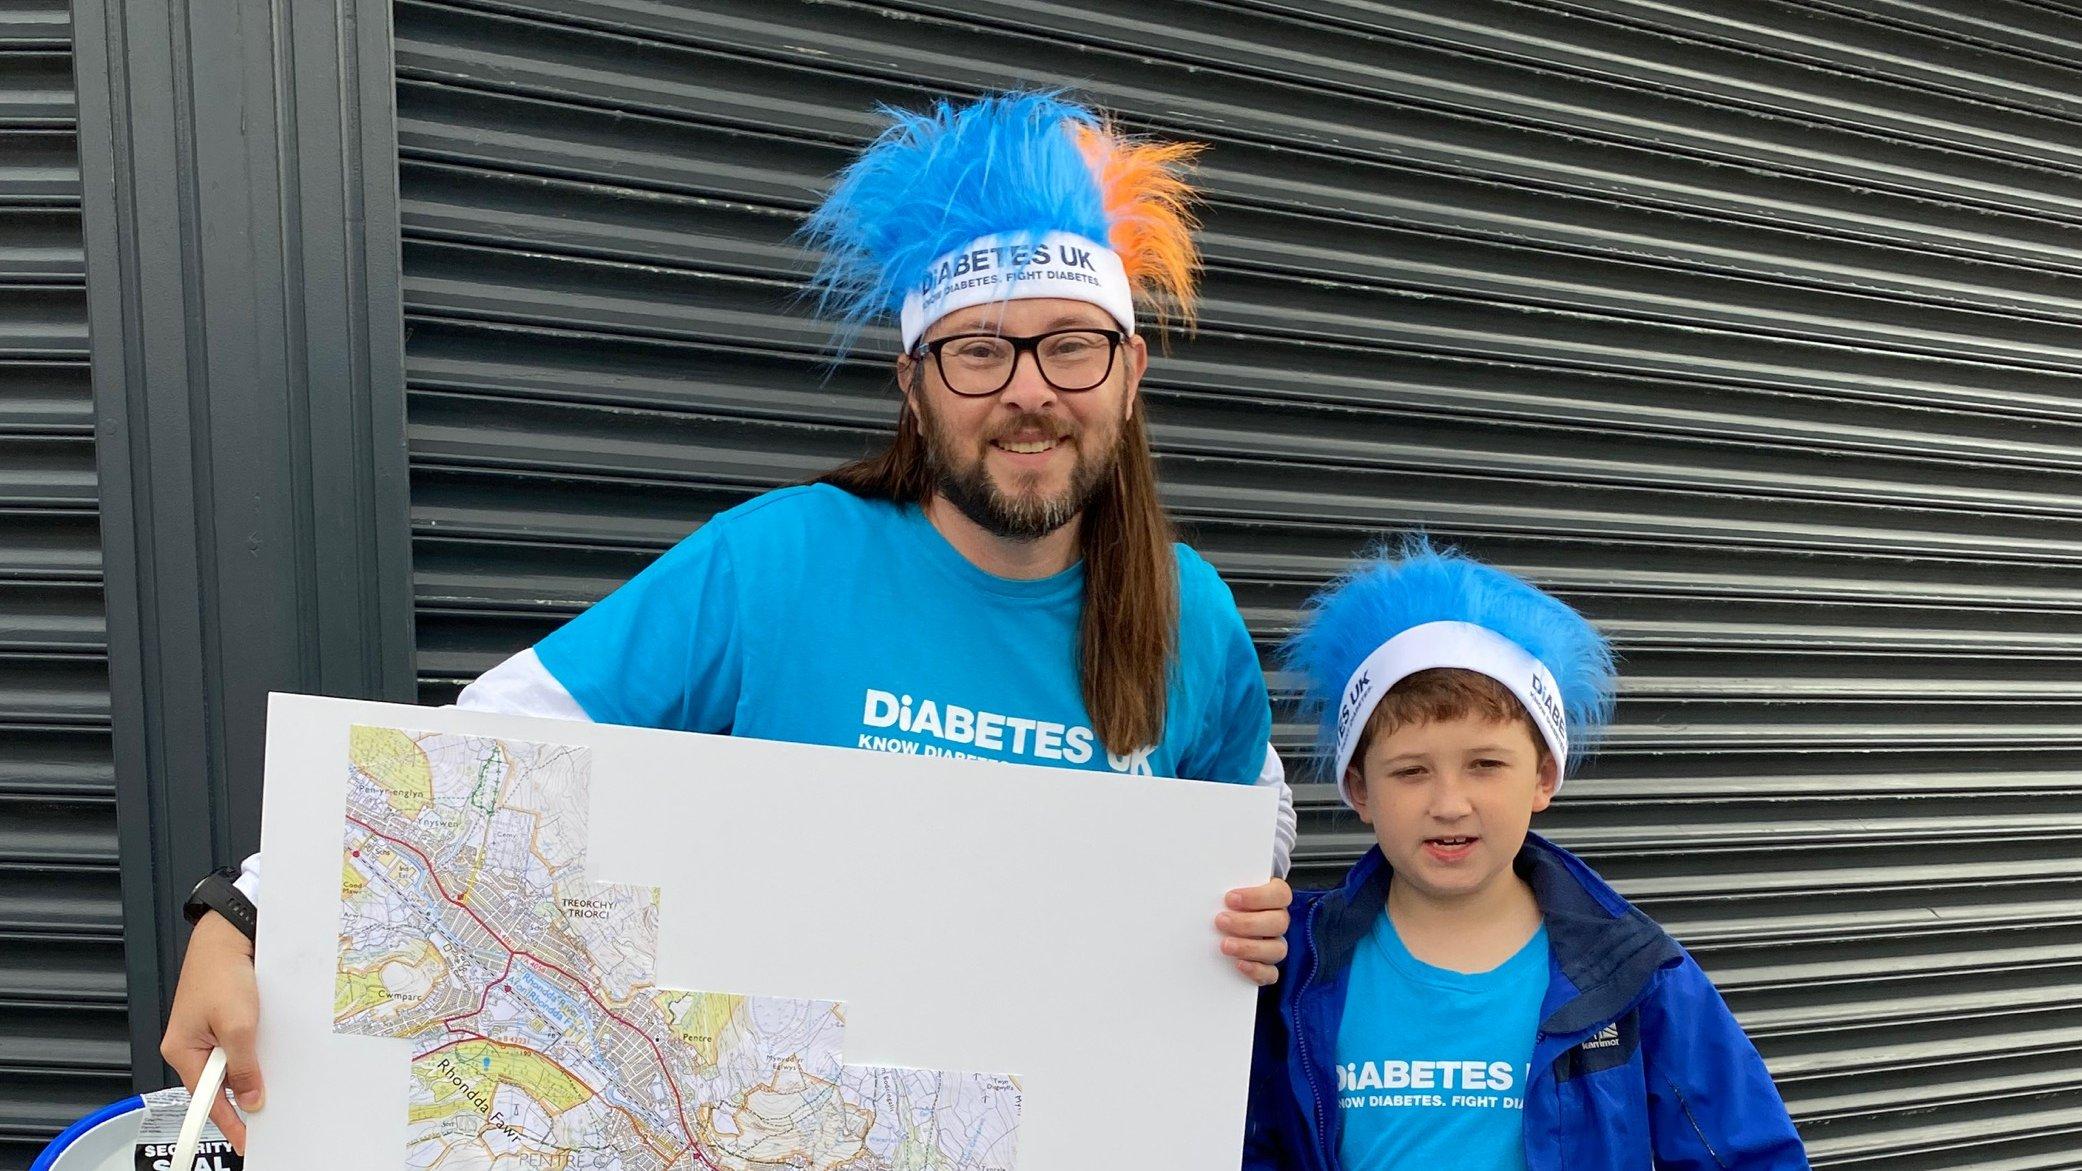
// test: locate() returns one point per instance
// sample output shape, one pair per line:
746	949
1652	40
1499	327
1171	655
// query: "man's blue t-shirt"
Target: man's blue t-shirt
816	616
1431	1063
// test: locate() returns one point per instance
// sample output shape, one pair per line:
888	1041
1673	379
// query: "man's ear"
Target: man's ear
907	375
1549	782
1135	361
1355	788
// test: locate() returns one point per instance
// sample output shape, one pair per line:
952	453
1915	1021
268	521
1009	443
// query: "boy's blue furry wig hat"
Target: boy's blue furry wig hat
1417	608
1011	195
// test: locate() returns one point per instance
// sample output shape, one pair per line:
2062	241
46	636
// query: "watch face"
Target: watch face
199	900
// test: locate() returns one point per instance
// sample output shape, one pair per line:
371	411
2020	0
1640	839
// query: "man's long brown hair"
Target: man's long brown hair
1129	633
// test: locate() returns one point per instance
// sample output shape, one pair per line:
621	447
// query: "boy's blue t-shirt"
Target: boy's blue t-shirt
1432	1064
815	616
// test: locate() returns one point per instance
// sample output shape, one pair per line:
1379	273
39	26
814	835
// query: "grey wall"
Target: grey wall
1747	327
64	1036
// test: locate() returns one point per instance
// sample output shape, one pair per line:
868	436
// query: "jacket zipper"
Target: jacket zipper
1315	966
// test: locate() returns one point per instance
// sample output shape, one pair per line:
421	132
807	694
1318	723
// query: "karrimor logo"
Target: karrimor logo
1605	1038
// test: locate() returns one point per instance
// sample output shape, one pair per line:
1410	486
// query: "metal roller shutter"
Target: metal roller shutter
1746	327
64	1040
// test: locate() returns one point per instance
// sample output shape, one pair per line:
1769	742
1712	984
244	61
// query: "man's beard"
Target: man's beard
1028	516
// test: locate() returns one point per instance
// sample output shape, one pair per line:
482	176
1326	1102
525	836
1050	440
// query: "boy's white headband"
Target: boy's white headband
1449	644
1008	268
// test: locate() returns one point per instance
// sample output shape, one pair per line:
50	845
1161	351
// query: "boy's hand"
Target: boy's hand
1254	929
216	1006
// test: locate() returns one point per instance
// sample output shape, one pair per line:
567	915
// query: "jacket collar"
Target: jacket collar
1348	912
1603	946
1603	949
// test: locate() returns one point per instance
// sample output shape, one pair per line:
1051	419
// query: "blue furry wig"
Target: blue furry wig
1014	165
1396	588
937	179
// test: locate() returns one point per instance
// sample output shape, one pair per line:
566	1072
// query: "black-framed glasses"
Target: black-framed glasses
977	364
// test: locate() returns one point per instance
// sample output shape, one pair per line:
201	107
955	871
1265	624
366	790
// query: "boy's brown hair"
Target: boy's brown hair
1446	693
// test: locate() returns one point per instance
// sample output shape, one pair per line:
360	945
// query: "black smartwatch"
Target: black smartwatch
216	893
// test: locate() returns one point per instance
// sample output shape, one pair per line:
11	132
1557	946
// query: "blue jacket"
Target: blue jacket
1637	1062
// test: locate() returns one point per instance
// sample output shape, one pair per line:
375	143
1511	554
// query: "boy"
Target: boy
1474	995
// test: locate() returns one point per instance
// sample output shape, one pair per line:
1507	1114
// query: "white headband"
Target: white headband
1449	644
1009	268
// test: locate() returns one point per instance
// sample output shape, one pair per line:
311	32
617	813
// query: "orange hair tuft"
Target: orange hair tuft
1149	207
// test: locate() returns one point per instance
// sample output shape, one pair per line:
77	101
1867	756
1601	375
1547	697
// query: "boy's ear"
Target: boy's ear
1355	785
1550	780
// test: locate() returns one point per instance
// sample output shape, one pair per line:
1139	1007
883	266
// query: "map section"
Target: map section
540	1038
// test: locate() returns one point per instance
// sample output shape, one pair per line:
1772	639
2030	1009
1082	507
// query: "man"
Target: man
1000	582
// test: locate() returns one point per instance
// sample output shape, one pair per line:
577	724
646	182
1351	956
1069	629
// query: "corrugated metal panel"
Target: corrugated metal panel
1749	328
64	1040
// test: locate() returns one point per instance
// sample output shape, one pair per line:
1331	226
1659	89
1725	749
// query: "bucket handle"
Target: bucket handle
208	1088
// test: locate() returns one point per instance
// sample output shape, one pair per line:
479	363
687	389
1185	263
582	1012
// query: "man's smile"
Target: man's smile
1026	446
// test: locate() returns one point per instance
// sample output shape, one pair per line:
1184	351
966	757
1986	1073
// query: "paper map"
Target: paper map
539	1036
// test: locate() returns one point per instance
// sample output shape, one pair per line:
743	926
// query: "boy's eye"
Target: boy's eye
1489	763
1408	773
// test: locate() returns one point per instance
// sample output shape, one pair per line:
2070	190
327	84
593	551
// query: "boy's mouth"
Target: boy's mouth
1450	849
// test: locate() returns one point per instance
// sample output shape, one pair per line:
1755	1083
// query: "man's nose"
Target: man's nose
1028	391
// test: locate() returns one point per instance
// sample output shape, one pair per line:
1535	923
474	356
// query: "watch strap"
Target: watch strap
217	892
